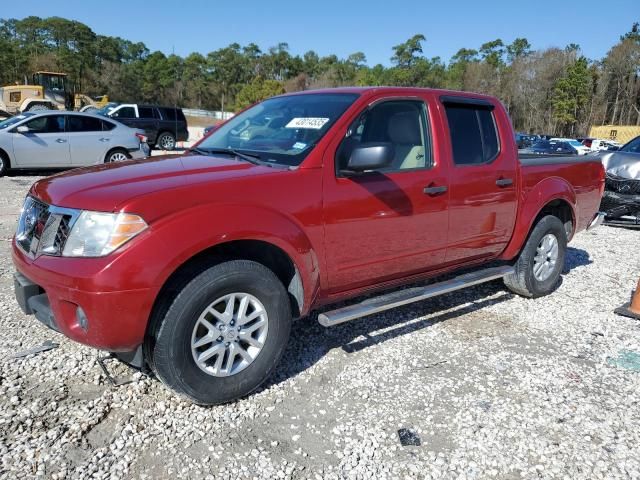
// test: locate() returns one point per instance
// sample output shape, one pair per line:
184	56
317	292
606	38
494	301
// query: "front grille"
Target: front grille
43	229
33	219
622	185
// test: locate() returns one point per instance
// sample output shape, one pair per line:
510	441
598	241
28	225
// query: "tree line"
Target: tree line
555	90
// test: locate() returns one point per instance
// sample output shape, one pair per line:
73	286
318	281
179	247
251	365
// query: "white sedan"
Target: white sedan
55	139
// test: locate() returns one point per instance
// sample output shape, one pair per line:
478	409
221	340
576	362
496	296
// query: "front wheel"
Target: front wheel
224	333
541	260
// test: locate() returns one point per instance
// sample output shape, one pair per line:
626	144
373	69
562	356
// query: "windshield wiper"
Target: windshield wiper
255	159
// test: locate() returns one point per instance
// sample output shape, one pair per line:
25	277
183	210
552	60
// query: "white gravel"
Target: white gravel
496	386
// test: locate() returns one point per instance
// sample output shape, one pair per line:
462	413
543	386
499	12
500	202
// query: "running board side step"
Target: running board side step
410	295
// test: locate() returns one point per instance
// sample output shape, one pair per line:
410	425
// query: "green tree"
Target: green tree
571	95
406	54
257	90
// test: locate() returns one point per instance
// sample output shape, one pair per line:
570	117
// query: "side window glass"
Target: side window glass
474	138
46	124
124	112
77	123
106	126
402	123
145	112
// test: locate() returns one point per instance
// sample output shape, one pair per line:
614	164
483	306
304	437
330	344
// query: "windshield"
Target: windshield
633	146
104	111
13	120
575	143
281	130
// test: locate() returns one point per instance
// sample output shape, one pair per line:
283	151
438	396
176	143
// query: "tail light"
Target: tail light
141	137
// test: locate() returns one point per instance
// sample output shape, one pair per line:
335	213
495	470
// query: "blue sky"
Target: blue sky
347	26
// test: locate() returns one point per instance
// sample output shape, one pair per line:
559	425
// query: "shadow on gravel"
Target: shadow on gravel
576	257
310	341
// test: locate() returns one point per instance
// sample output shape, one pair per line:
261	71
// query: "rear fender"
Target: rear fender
545	192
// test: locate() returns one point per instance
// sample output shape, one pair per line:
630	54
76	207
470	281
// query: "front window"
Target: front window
281	130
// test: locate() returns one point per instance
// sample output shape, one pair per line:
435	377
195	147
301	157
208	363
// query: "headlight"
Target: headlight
96	234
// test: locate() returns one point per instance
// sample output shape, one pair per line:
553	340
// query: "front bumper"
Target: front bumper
109	320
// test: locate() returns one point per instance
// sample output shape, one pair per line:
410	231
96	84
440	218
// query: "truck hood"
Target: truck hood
106	187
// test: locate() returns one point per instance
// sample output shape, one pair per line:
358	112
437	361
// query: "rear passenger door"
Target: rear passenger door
482	201
148	121
88	140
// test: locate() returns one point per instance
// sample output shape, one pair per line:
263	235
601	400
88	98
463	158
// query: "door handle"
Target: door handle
435	190
504	182
104	139
61	140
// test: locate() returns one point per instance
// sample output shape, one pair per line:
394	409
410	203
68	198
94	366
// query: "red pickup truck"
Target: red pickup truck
194	265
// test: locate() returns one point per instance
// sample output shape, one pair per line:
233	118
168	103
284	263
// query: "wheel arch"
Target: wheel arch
5	156
266	253
553	196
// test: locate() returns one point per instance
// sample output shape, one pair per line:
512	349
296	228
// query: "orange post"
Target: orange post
631	309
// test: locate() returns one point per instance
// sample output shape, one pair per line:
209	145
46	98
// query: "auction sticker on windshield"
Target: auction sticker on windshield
315	123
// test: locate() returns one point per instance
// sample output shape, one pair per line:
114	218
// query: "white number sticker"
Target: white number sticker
315	123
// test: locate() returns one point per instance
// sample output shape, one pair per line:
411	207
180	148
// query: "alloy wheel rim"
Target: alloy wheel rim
229	334
544	262
167	142
118	157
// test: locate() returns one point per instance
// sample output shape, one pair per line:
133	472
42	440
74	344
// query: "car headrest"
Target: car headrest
404	128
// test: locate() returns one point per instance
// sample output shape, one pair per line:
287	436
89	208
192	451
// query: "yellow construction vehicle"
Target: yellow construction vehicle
48	91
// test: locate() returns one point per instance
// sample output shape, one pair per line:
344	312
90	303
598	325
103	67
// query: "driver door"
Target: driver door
391	223
45	145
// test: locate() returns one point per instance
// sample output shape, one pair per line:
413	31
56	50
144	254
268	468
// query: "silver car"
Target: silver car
55	139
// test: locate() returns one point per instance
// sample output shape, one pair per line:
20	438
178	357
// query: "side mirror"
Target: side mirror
370	156
22	129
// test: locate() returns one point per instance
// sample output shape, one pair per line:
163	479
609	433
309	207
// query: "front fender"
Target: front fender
195	230
533	200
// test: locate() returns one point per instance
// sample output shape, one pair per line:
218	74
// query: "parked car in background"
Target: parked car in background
622	185
579	147
164	126
54	139
548	147
525	141
196	265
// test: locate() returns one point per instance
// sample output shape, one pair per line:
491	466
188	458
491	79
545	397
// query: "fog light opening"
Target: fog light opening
81	319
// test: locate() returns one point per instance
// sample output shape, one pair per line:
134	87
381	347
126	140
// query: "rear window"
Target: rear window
106	126
77	123
172	114
145	112
474	138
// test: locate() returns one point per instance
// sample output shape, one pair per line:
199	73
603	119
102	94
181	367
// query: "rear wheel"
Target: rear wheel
166	141
541	261
117	155
224	333
4	164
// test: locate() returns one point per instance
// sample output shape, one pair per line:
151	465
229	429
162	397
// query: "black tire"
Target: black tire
170	344
38	107
523	281
4	164
115	155
166	141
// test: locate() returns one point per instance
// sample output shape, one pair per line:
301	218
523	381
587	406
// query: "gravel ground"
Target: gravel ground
494	386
